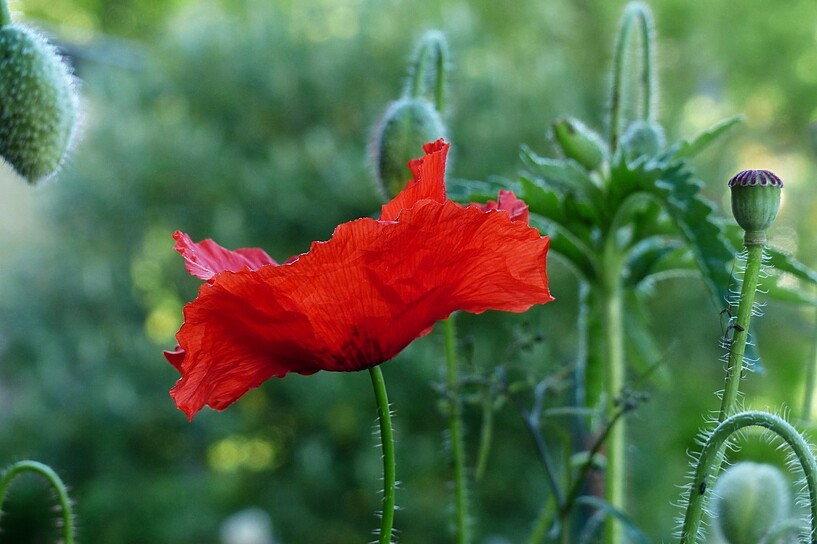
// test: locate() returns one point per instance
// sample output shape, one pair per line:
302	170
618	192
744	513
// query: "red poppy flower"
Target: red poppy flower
358	299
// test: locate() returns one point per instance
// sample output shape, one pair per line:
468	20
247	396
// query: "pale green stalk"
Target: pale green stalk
387	444
455	430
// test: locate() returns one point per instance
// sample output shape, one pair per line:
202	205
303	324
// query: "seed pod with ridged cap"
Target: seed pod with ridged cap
407	124
38	104
755	202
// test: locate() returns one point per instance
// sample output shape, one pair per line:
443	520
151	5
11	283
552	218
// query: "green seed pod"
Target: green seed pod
578	142
643	138
407	124
38	105
755	201
750	500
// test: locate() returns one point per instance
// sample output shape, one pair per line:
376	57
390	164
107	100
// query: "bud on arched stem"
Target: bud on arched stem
635	11
712	453
67	516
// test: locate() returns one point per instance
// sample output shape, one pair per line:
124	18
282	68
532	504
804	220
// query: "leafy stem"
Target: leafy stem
387	443
709	461
67	521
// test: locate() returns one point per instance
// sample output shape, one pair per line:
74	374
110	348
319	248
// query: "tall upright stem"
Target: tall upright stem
387	444
615	447
737	346
5	16
811	378
455	430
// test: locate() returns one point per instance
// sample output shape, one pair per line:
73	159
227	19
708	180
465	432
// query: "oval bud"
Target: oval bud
578	142
755	202
38	106
750	500
407	124
643	138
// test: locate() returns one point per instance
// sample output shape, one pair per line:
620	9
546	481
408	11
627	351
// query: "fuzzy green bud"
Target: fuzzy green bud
755	202
750	500
38	105
578	142
407	124
643	138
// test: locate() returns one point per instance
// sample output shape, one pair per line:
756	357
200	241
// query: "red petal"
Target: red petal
357	300
206	258
428	182
507	201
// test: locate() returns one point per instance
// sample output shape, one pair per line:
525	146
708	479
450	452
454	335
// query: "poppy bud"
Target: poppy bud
38	107
643	138
750	500
578	142
755	201
407	124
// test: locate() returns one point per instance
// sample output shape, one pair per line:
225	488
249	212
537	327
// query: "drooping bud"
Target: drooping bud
643	138
578	142
407	124
750	500
38	104
755	202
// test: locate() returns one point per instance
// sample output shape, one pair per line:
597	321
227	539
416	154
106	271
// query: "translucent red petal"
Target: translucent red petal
205	259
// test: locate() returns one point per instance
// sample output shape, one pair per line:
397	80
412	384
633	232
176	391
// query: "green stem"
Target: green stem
5	16
633	11
56	484
432	49
712	452
811	378
737	347
615	448
455	430
387	443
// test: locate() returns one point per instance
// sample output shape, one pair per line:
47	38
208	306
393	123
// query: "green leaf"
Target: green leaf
467	190
690	147
564	174
787	263
647	255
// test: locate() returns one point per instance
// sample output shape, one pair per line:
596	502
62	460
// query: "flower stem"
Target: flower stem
433	48
633	11
455	430
615	447
387	443
811	379
712	452
56	484
737	346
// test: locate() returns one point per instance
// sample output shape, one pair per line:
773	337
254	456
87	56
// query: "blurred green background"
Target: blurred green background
249	122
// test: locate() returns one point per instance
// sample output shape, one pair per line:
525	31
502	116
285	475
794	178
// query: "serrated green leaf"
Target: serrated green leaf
690	147
563	242
468	190
644	258
565	174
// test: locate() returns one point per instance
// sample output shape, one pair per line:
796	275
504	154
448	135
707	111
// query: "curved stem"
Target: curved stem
455	430
387	443
56	484
633	11
737	346
709	461
432	51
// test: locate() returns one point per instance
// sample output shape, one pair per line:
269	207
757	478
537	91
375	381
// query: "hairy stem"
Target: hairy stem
67	519
633	11
709	463
387	443
737	346
432	52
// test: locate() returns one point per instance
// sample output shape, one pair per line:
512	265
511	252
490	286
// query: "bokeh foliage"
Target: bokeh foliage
248	121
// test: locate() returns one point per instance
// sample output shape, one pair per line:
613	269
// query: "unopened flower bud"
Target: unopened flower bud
643	138
38	106
407	124
578	142
750	500
755	201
